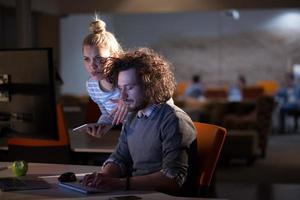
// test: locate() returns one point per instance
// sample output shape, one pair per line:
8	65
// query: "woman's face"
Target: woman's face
94	58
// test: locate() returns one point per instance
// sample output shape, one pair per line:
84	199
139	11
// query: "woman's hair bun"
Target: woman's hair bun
98	26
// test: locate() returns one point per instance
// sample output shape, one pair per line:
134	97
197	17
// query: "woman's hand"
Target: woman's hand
98	130
120	113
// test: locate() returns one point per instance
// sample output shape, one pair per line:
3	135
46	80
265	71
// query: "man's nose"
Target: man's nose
124	94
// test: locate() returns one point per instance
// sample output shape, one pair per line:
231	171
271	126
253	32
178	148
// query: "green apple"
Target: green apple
19	168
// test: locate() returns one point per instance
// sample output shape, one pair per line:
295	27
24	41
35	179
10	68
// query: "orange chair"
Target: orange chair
180	89
216	93
210	140
43	150
252	92
270	87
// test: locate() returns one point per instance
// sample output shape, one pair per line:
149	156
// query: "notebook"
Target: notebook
77	186
13	183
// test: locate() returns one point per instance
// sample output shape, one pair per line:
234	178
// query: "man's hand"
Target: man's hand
155	181
120	113
98	130
100	180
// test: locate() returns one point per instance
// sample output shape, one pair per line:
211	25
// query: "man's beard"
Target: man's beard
142	105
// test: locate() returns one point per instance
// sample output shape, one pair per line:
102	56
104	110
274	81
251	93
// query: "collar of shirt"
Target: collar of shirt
146	112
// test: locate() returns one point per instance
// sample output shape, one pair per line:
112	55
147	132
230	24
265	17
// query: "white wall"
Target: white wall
73	29
209	43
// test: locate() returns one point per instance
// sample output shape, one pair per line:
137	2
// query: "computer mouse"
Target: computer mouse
67	177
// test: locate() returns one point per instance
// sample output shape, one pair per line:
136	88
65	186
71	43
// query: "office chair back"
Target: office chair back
210	140
270	87
252	92
43	150
216	93
180	89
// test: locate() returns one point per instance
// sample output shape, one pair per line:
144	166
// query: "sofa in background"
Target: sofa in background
248	123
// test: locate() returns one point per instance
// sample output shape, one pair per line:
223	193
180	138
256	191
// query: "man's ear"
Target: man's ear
115	55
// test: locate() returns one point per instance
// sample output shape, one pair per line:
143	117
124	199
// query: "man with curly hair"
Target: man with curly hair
156	139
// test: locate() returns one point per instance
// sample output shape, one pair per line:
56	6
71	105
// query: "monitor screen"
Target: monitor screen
27	97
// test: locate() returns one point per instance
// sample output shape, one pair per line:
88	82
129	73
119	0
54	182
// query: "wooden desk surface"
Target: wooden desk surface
84	143
81	142
50	172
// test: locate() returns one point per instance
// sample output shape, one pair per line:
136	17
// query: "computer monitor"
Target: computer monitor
27	97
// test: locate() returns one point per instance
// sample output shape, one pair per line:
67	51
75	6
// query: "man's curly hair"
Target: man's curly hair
153	71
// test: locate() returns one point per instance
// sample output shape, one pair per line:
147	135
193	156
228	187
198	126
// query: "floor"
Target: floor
272	178
248	191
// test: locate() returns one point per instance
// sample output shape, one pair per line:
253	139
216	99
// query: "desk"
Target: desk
56	192
90	150
82	143
85	148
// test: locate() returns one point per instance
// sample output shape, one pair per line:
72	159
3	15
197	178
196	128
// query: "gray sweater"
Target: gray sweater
158	142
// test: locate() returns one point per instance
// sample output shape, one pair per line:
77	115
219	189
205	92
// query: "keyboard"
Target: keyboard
13	183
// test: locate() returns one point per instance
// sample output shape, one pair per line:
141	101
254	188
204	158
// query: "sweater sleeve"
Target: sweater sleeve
176	140
121	156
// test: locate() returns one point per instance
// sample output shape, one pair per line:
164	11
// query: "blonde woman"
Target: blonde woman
97	47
